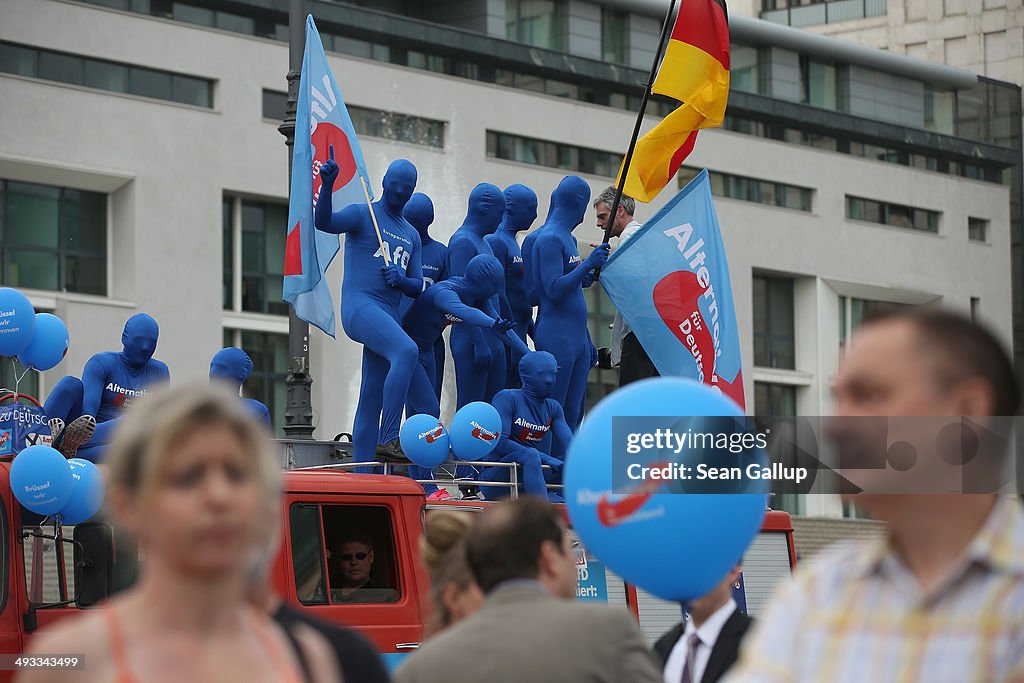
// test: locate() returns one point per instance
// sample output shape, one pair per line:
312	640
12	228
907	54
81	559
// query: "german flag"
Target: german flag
695	71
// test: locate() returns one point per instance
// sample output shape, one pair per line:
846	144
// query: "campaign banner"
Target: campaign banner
321	122
670	281
591	581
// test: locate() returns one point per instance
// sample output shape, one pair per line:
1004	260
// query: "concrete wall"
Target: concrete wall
168	167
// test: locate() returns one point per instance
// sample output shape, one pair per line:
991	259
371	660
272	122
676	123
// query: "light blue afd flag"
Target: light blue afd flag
670	281
321	121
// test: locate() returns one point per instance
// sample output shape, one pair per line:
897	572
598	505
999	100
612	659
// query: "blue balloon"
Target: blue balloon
17	321
86	492
475	430
49	344
424	440
41	479
660	534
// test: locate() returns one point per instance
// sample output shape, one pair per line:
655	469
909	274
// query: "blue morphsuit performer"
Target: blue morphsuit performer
520	213
529	263
232	366
479	360
528	416
370	296
420	214
452	302
110	381
562	319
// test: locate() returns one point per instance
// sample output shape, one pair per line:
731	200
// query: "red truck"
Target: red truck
48	575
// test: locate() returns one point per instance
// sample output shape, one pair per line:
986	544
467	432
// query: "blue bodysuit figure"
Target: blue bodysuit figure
109	382
562	318
479	361
232	366
528	416
420	214
520	213
452	302
370	295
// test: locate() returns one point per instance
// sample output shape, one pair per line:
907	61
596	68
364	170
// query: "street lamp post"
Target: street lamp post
298	414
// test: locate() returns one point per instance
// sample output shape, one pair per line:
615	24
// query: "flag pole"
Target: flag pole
298	414
614	208
380	240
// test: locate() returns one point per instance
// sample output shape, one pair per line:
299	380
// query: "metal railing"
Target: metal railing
450	467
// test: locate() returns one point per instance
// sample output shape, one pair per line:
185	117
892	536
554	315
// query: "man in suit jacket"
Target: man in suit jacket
703	649
530	628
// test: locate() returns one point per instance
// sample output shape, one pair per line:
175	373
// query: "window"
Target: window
614	28
939	110
105	75
812	12
774	323
371	122
752	190
897	215
977	229
852	312
266	384
254	234
53	238
535	22
819	84
779	400
552	154
344	554
600	314
745	73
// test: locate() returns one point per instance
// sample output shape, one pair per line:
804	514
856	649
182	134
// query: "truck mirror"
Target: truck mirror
94	563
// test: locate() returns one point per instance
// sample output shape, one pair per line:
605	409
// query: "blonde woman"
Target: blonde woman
193	478
443	550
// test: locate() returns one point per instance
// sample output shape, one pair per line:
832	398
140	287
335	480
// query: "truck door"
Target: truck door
348	564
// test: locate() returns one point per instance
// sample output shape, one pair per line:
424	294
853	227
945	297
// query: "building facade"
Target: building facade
141	169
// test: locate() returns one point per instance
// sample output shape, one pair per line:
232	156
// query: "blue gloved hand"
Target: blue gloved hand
597	257
501	326
392	275
588	279
329	170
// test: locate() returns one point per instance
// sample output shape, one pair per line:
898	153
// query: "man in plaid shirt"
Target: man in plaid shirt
942	597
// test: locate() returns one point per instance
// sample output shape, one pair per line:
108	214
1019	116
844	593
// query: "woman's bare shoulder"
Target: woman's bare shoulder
84	635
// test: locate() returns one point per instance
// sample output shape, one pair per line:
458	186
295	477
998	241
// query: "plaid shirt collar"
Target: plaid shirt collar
999	547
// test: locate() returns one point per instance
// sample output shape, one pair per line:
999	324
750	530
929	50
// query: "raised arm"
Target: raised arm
348	219
555	283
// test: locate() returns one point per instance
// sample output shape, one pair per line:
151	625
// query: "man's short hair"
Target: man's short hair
505	543
967	350
357	537
608	197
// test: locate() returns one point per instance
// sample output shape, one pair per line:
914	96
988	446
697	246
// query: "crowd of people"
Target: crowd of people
941	598
402	288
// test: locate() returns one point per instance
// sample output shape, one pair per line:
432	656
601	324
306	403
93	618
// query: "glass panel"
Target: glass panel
87	275
149	83
85	222
193	15
253	297
743	69
363	566
189	90
235	22
276	219
32	215
106	76
535	22
32	269
760	318
58	67
614	27
275	295
227	251
307	553
17	60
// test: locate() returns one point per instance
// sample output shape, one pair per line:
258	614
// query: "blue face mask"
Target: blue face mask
569	202
520	208
232	366
419	211
399	184
139	339
484	276
486	208
538	371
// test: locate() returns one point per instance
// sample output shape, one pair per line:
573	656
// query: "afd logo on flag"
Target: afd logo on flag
670	281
